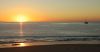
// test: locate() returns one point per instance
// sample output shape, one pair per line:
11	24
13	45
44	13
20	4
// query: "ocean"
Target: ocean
48	32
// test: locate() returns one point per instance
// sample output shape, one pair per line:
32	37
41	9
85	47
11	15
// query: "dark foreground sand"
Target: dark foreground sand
56	48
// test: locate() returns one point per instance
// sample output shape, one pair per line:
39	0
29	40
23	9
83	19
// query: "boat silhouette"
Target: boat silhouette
86	21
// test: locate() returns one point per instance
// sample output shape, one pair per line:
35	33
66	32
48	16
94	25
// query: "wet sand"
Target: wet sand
56	48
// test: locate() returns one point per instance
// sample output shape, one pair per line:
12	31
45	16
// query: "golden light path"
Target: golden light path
21	19
22	44
21	29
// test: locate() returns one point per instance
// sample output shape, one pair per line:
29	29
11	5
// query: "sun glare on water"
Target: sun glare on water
21	19
22	44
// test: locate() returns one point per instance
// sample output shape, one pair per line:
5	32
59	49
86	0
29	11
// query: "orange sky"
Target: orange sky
50	10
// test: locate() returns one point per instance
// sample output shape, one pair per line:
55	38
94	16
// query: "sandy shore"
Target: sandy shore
55	48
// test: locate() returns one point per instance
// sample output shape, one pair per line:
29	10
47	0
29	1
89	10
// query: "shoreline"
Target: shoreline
44	43
56	48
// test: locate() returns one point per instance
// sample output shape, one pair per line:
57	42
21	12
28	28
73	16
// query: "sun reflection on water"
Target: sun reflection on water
21	28
22	44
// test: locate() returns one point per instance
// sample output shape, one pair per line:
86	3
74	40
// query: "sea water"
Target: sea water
48	32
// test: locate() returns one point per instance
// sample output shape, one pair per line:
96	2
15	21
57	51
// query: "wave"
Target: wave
18	39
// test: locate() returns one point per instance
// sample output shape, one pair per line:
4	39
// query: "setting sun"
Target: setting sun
21	18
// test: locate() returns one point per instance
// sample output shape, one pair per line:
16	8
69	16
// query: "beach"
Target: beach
50	37
49	25
55	48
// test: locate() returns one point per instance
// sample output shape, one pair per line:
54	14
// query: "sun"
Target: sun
21	18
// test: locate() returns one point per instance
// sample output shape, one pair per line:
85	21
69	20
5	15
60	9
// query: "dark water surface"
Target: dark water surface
49	32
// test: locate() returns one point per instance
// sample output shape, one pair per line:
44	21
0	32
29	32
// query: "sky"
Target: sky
50	10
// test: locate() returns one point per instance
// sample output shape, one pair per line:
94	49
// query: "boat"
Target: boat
86	22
